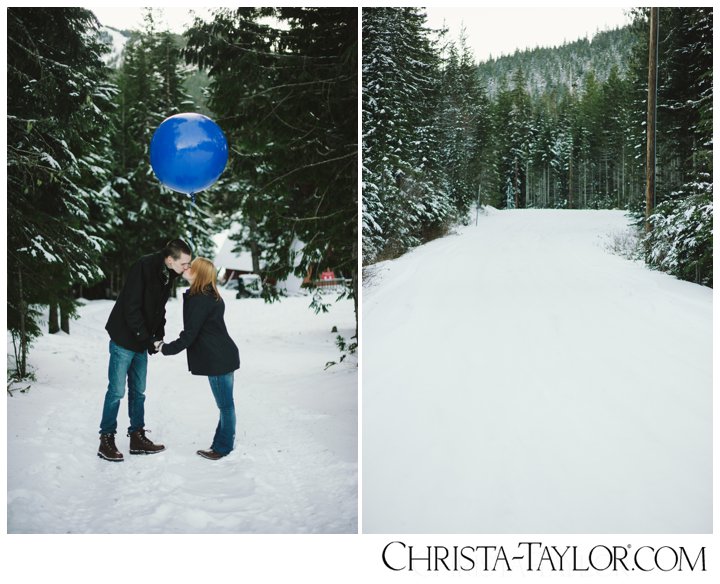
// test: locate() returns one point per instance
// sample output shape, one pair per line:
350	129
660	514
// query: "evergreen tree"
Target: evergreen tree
238	50
685	93
150	90
461	127
616	97
58	200
513	123
563	128
403	199
560	119
680	241
288	99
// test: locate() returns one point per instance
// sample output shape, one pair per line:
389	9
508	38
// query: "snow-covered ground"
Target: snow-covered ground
294	469
519	378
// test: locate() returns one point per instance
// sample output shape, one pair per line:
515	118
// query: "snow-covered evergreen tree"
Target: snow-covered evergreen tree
564	128
58	200
149	214
287	95
461	123
403	198
680	241
681	238
560	69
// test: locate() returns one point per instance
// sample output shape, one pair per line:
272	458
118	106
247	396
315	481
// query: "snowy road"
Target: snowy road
294	469
519	378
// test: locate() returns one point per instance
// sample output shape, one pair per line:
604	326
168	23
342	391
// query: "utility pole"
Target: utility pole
652	108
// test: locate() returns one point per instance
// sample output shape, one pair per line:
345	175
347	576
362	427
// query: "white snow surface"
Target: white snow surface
520	378
294	467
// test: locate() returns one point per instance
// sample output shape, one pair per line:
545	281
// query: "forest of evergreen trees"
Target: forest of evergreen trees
549	128
83	202
561	128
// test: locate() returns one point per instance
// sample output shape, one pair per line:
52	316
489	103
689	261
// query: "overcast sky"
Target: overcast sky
131	17
490	31
499	31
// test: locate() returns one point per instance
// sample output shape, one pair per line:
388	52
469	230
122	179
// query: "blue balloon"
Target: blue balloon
188	152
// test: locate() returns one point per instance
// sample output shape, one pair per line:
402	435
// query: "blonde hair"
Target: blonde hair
205	281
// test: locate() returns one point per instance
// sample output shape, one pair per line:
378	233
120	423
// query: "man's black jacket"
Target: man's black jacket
138	316
210	350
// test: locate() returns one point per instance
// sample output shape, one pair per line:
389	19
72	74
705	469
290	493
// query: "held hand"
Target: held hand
158	346
152	346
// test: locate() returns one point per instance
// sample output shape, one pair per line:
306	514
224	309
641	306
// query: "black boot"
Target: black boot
107	449
141	444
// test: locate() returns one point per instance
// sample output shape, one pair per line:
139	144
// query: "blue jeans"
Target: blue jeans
125	364
222	388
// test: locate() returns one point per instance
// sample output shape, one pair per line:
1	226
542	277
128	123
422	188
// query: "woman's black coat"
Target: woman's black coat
138	316
210	350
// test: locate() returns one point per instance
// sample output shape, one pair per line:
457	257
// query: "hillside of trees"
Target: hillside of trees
561	70
83	201
547	128
195	81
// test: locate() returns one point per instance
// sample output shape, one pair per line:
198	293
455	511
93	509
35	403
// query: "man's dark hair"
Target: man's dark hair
176	248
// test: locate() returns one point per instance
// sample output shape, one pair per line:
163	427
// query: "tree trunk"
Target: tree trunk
622	180
53	323
607	176
355	289
551	188
570	181
254	249
546	190
547	185
21	365
528	186
517	187
652	96
64	319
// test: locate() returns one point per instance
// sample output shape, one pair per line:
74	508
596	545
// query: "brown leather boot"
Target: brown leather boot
107	449
141	444
210	453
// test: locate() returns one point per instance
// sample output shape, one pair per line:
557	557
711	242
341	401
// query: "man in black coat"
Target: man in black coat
136	322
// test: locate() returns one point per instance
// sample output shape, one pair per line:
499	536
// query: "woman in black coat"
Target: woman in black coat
210	350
